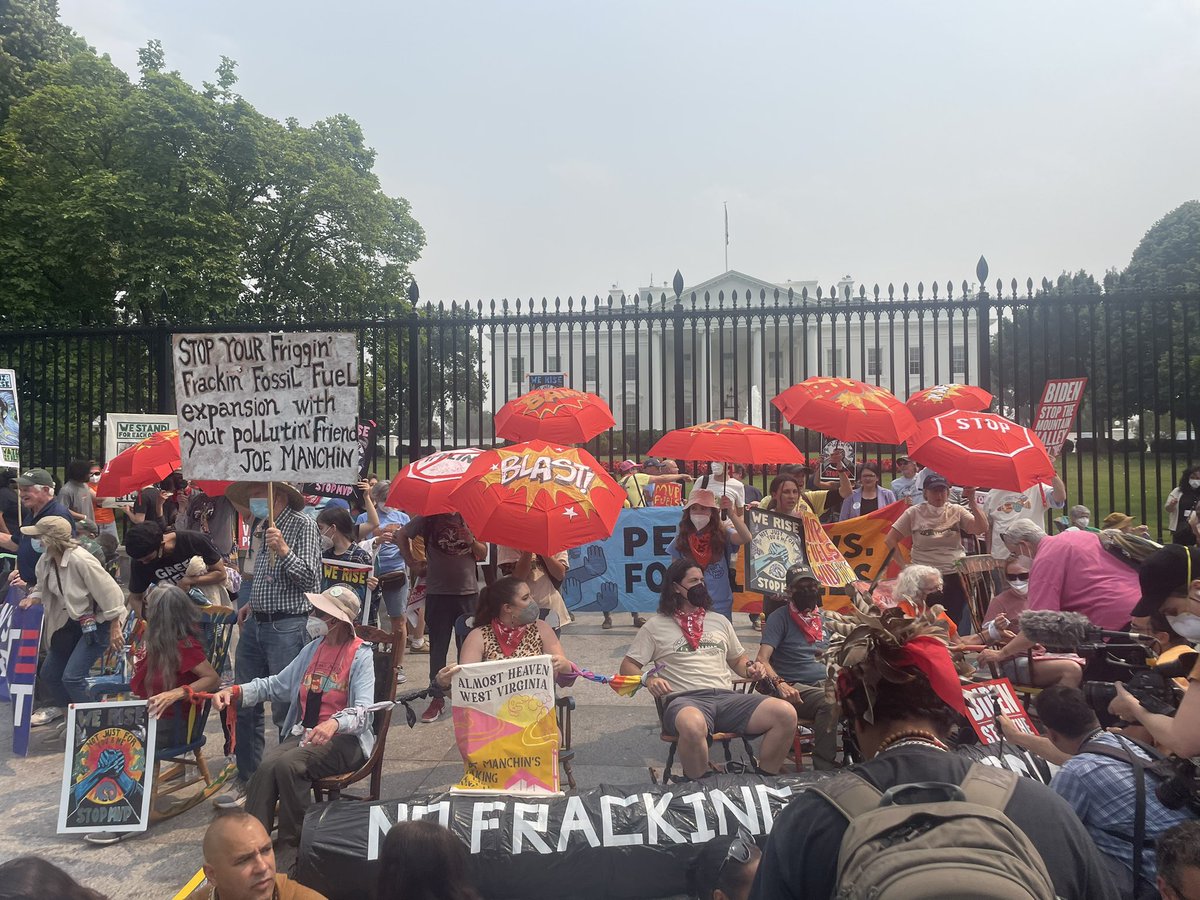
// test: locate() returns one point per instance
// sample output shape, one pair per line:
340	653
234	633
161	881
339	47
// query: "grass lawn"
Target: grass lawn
1137	485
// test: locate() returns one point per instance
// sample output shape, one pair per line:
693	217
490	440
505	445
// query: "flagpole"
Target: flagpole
727	236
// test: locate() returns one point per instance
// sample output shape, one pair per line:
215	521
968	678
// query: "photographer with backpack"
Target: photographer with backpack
945	827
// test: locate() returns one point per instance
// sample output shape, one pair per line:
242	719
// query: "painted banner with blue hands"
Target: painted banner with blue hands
624	572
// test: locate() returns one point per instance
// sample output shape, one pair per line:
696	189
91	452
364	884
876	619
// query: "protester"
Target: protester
1078	518
239	863
287	566
787	498
1118	521
753	494
936	528
75	495
904	485
214	517
37	496
544	575
150	506
33	878
422	860
836	489
9	503
637	484
1182	500
898	686
382	521
507	627
158	558
918	589
868	496
319	738
1103	790
172	655
1178	859
82	612
1000	624
725	867
721	482
1003	508
106	516
793	643
451	586
668	493
697	651
707	538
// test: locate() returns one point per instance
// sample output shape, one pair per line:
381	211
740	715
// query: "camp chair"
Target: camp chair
185	736
805	739
724	738
387	649
115	670
976	575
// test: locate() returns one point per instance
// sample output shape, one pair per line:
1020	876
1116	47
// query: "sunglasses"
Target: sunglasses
1019	576
741	849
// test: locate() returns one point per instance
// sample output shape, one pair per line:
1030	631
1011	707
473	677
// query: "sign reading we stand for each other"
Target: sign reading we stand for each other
268	406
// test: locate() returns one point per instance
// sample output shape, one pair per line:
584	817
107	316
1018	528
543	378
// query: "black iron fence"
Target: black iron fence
433	375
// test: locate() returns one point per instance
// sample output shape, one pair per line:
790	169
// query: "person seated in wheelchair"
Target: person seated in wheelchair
172	656
793	643
507	626
320	737
697	651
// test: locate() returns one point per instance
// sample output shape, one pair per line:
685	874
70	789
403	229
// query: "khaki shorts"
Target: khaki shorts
726	711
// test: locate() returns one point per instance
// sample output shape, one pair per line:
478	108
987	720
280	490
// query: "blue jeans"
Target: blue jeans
72	654
264	648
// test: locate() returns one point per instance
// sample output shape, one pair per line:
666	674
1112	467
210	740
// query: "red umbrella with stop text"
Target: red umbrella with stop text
539	497
559	415
846	409
423	488
941	398
728	440
976	448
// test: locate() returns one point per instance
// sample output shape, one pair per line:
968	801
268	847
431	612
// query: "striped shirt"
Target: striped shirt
280	582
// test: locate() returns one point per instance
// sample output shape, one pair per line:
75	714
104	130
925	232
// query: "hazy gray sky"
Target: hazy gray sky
559	147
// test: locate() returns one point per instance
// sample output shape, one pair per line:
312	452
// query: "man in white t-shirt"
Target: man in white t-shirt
696	652
721	483
1005	507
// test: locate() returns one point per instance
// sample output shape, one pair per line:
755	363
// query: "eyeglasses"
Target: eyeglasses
741	849
1018	576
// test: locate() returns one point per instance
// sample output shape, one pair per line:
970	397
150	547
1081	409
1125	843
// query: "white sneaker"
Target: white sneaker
400	676
46	715
235	796
417	646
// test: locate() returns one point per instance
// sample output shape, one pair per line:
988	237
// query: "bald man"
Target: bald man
239	863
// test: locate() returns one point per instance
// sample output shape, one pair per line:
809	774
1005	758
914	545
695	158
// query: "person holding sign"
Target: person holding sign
383	522
330	675
709	539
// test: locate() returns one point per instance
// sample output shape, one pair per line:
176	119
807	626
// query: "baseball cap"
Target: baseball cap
651	461
1163	572
627	465
55	527
934	480
901	460
799	572
35	476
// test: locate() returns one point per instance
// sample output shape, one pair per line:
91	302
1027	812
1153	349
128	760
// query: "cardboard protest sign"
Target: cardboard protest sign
505	726
831	465
122	431
20	638
667	493
777	545
1055	414
984	698
334	571
10	421
547	380
366	459
108	767
268	406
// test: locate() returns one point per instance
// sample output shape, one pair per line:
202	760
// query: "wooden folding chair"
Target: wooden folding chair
387	651
976	575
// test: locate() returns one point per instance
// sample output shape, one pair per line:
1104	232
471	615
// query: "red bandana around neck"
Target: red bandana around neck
700	544
508	638
692	625
809	622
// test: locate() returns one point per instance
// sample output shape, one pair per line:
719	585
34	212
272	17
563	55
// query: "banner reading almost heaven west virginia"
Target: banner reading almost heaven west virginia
505	726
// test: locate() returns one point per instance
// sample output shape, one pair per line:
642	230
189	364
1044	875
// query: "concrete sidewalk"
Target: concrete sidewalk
615	739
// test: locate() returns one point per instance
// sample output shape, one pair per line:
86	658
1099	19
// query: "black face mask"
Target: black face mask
806	596
935	597
698	596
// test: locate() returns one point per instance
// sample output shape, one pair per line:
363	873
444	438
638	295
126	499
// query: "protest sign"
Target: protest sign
861	543
547	380
366	458
10	421
831	469
985	699
624	571
268	406
122	431
19	641
505	726
108	767
668	493
334	571
1055	414
777	544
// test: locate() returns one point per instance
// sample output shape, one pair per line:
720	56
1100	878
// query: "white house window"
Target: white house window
516	370
958	360
687	366
873	362
590	368
631	367
833	362
775	361
914	360
553	364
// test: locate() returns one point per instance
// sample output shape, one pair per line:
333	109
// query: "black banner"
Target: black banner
366	459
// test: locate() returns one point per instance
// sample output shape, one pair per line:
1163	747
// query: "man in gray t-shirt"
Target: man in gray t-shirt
75	494
451	585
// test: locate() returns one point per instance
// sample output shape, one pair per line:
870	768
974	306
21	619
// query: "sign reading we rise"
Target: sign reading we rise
263	407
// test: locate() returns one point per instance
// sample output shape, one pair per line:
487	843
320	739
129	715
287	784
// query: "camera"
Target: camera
1128	664
1180	784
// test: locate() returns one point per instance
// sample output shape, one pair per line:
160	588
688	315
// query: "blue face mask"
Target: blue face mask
38	546
259	508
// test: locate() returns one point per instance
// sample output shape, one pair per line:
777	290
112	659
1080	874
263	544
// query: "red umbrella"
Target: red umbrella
846	409
942	398
727	440
981	449
148	462
538	497
558	415
423	488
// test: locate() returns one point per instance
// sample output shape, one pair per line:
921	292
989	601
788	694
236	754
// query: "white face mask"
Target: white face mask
1194	482
718	469
317	628
1186	626
326	542
1082	522
1019	587
700	520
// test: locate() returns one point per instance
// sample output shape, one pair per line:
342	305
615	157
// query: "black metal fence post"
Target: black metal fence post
983	328
414	377
677	284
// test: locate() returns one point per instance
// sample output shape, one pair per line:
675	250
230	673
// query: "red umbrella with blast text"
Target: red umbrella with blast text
846	409
728	440
983	449
559	415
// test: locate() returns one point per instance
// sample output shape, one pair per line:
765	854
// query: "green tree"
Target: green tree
30	33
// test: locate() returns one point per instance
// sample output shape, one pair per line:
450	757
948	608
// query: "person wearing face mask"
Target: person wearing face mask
722	483
332	674
507	626
285	546
1079	518
697	652
157	558
37	497
711	541
106	516
793	641
1180	503
917	589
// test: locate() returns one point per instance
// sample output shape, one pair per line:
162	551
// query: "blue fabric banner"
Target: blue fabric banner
626	571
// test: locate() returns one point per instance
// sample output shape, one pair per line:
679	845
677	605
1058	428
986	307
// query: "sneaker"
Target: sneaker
46	715
56	737
400	676
235	796
638	621
420	646
607	623
434	711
